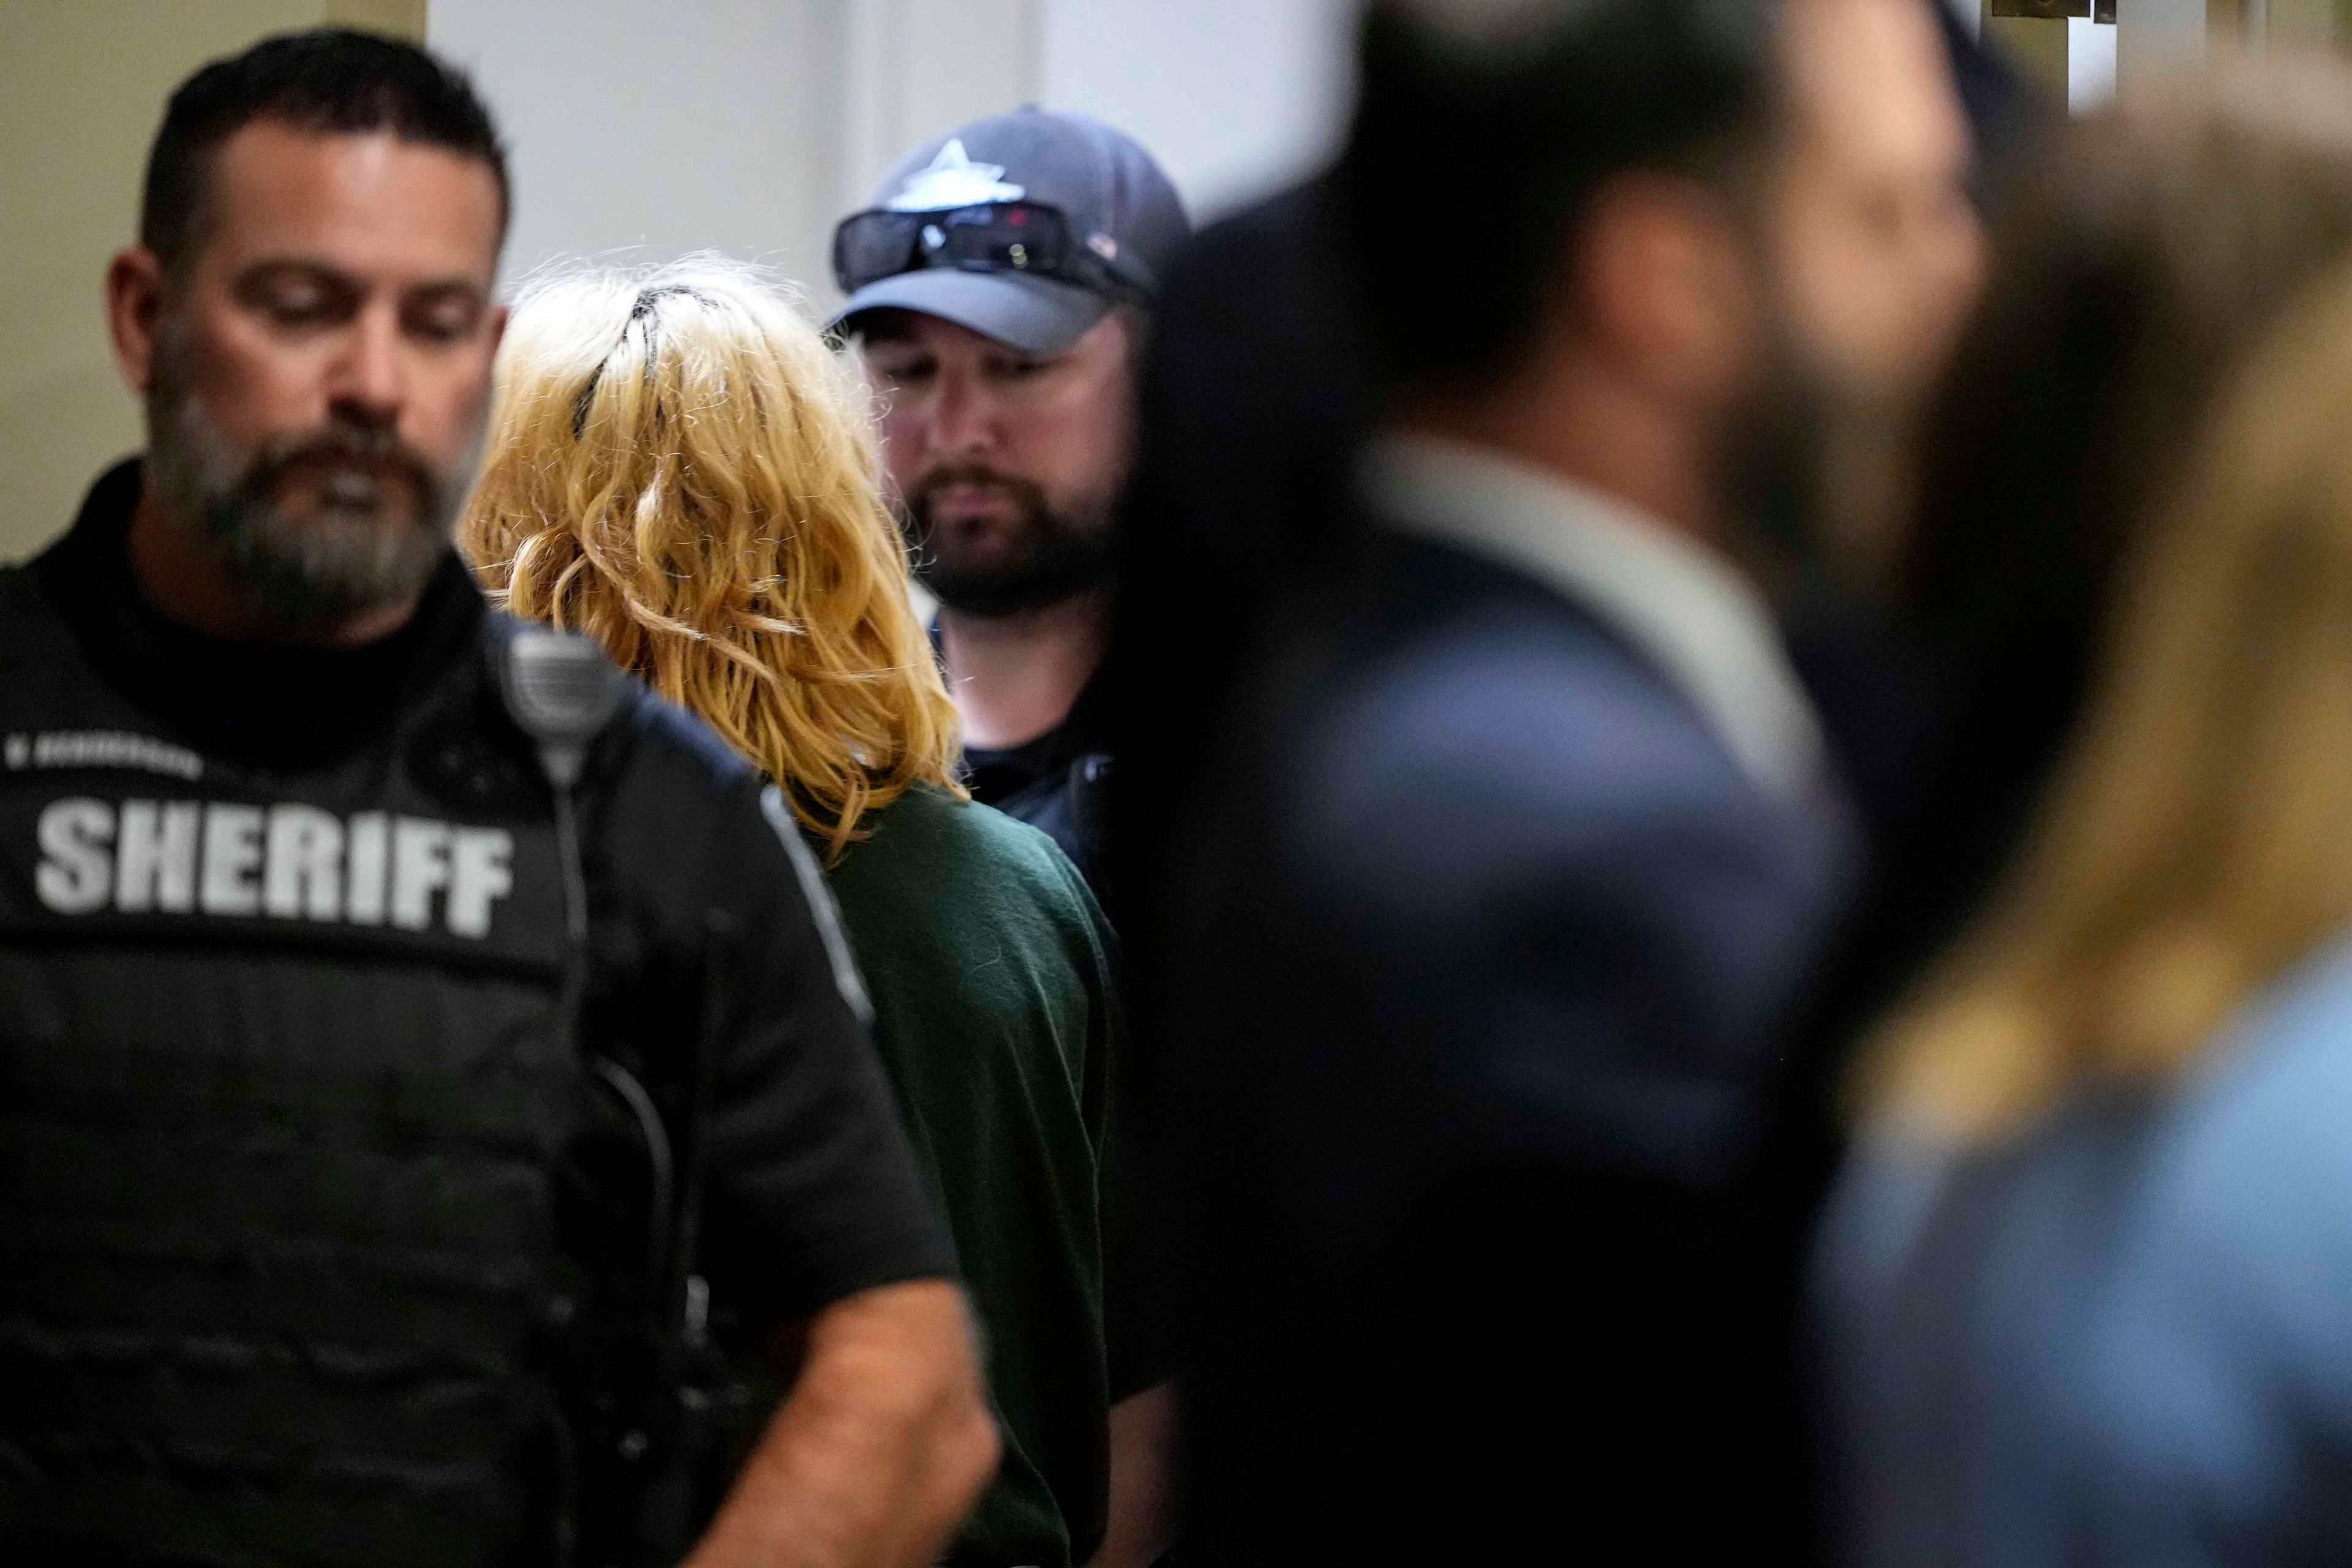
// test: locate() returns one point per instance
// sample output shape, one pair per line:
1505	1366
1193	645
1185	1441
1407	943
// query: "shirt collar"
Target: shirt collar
1684	609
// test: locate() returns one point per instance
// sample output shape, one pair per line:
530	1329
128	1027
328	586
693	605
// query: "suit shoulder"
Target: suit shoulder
1509	702
1507	744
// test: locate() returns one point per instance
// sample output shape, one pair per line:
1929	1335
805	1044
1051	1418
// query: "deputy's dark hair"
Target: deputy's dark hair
325	79
1483	128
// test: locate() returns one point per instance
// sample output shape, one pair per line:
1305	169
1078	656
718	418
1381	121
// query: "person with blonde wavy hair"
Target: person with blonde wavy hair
681	467
2085	1282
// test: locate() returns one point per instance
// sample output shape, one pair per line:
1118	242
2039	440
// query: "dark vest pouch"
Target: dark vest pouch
291	1213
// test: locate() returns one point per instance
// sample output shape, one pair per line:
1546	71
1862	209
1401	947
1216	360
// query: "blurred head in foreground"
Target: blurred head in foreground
1744	222
2142	250
2197	839
679	467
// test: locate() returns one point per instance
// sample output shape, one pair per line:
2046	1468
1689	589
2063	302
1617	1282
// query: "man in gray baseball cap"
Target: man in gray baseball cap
999	286
1027	227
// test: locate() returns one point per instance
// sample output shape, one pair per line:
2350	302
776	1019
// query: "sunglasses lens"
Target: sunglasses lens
1009	238
871	247
1004	237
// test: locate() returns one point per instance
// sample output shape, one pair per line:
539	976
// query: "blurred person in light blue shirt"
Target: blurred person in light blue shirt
2085	1290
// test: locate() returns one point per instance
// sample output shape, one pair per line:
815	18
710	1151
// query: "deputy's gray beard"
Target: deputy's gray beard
365	547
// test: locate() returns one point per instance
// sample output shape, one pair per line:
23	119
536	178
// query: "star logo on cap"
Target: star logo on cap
953	180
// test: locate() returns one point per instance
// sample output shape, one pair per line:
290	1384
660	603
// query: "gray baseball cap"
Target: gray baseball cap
1117	201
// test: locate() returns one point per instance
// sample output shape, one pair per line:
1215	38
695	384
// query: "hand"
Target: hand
1142	1481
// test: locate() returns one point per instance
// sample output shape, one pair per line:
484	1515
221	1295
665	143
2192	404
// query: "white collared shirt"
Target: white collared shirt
1684	609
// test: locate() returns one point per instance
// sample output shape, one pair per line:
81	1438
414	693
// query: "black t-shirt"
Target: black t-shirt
813	1193
1054	783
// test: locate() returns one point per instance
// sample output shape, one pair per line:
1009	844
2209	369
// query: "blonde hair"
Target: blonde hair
2197	839
680	466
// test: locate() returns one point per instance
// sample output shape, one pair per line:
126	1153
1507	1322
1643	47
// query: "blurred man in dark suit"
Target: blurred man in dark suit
1486	897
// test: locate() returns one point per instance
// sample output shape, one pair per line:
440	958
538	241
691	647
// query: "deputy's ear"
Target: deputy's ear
134	312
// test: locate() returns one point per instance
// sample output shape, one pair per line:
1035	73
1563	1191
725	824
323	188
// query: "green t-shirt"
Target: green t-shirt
989	969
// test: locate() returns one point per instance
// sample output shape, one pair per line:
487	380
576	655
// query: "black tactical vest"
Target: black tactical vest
290	1227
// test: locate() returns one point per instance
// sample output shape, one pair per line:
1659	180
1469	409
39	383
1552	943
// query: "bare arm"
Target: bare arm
1142	1481
879	1451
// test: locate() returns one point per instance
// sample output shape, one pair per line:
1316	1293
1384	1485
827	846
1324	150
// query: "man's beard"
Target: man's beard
1822	475
376	535
1774	473
1055	555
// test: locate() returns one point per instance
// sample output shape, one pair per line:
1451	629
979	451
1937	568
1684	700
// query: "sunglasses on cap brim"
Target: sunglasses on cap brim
997	236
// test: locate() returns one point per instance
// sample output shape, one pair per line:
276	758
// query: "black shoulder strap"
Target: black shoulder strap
1090	778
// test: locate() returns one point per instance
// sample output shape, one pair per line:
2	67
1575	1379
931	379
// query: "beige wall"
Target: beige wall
2309	22
83	84
2154	32
2288	22
2038	44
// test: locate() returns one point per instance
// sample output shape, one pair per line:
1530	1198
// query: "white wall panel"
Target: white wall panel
648	128
1231	96
916	67
2148	33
